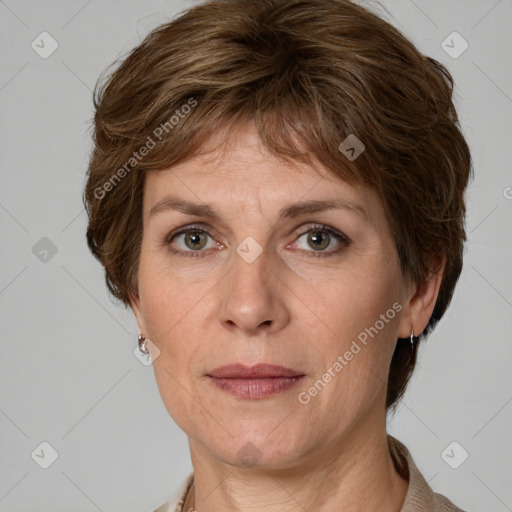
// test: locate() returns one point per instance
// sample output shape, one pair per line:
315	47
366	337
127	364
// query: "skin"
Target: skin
290	307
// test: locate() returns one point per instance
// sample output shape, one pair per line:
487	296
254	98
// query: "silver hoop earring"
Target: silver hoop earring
412	338
142	344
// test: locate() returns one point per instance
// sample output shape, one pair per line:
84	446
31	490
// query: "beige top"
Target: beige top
419	498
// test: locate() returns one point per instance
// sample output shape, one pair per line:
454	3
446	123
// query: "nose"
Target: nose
253	298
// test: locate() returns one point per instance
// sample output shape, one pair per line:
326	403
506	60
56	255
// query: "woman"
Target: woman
277	191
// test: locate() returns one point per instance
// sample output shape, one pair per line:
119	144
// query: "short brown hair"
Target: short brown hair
309	73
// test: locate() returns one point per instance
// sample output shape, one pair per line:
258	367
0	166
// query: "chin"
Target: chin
259	449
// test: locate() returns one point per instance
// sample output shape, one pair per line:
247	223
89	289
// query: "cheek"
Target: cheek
366	322
350	300
175	394
165	297
361	316
176	317
353	374
169	313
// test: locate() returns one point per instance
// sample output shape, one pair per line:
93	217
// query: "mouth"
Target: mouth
260	381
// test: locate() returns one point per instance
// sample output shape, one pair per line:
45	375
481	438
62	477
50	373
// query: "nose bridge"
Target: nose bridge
251	298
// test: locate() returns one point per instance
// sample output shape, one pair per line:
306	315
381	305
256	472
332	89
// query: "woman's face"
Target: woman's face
260	287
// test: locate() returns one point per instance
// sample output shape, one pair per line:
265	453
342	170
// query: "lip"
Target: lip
259	371
259	381
256	388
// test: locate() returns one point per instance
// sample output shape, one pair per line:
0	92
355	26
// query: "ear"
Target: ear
422	299
137	311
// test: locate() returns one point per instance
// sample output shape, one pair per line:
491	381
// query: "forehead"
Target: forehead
242	175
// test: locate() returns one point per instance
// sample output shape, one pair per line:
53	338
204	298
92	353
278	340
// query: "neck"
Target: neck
356	473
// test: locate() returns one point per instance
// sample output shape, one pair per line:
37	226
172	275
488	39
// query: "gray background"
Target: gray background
67	371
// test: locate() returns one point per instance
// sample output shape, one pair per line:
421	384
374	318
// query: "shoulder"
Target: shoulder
420	497
443	504
175	502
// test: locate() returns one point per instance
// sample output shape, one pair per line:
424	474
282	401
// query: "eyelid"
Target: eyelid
184	229
298	232
343	240
323	227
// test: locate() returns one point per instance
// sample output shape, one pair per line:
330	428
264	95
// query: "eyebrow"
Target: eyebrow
291	211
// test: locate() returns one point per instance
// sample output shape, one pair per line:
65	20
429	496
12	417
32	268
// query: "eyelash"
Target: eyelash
341	237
